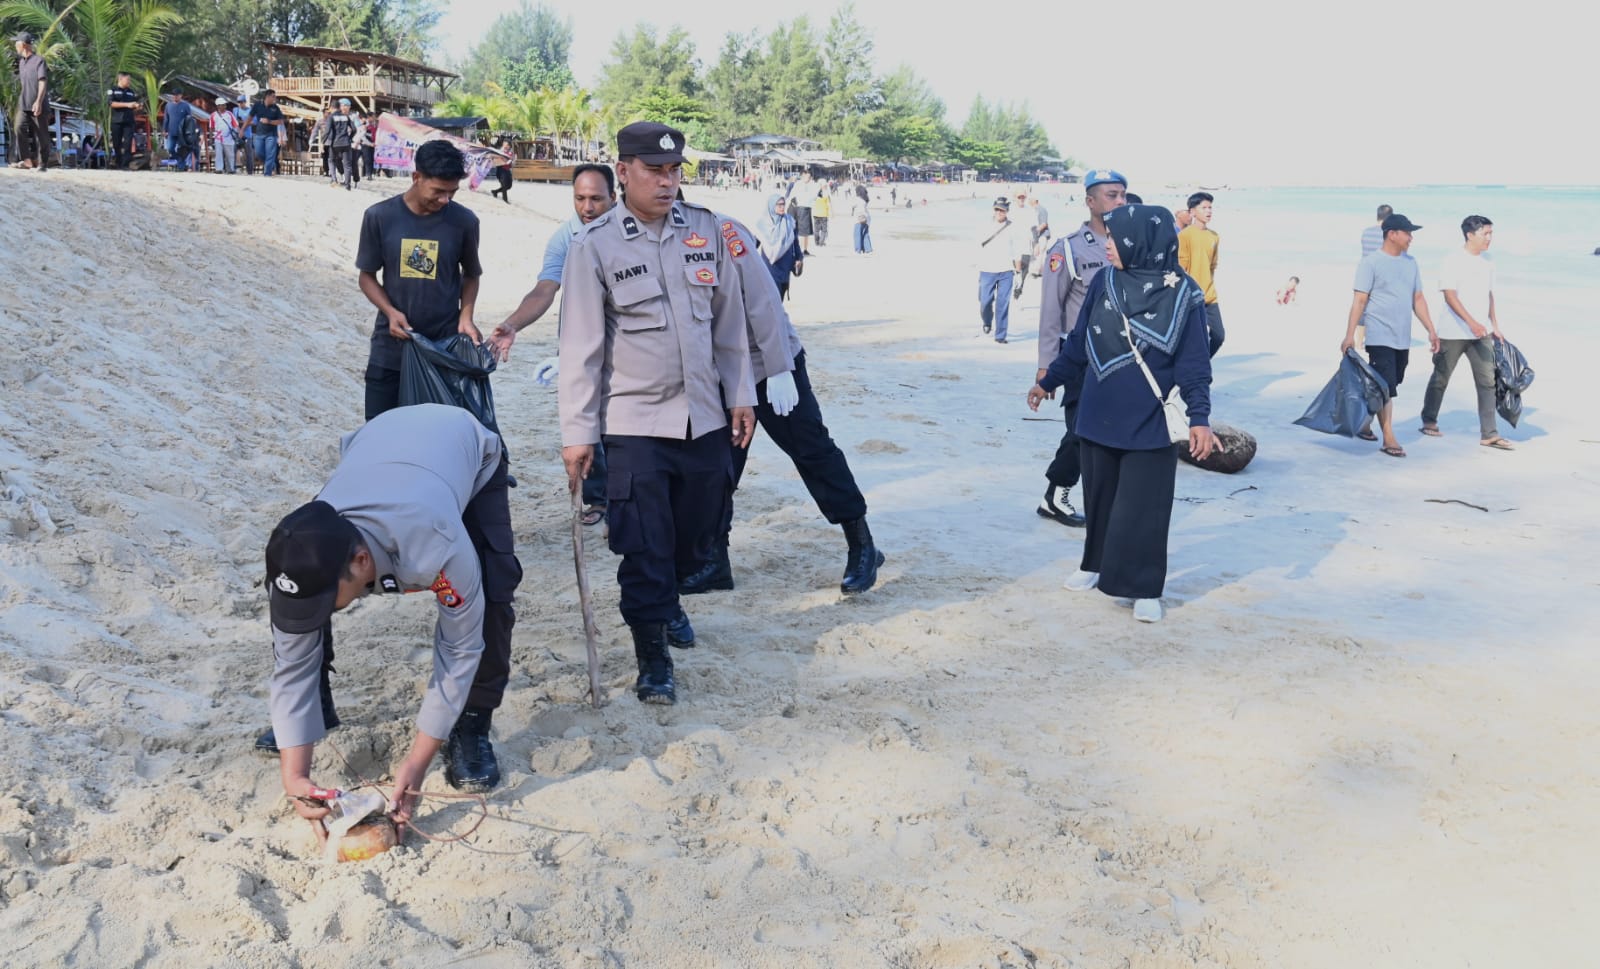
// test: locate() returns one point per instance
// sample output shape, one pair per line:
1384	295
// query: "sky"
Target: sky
1360	92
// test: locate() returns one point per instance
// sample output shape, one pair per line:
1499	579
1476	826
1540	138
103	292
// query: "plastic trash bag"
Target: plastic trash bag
453	371
1512	376
1355	393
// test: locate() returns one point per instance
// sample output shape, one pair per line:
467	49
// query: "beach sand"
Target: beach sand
1358	739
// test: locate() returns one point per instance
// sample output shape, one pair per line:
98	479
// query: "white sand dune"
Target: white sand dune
1362	736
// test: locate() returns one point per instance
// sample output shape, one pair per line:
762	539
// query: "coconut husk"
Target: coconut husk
1238	448
368	839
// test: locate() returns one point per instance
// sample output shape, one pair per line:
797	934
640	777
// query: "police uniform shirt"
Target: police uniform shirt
1064	284
652	333
424	260
404	478
125	95
773	341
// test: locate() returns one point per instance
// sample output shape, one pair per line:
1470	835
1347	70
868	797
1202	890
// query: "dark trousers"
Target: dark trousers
805	439
594	486
488	521
1214	327
249	144
366	161
664	500
1068	464
122	142
820	223
1127	507
383	390
33	138
343	162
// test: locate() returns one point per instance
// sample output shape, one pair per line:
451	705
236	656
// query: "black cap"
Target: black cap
24	37
306	555
1003	203
651	143
1399	222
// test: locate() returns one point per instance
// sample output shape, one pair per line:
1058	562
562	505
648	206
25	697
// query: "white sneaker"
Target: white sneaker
1147	610
1081	581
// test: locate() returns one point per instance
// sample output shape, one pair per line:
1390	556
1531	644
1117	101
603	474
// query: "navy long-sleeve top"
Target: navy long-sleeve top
782	263
1121	412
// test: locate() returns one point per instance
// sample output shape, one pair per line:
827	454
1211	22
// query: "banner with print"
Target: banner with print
398	138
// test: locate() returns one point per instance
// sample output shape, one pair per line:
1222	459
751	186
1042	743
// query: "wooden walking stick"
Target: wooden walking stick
591	632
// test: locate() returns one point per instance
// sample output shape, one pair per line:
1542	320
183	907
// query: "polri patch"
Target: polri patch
705	275
446	593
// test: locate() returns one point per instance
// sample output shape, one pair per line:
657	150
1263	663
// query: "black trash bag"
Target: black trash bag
1512	376
1235	448
453	371
1354	394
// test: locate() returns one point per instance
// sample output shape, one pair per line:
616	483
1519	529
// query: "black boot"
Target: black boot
469	761
680	635
655	664
1056	507
715	574
267	743
861	568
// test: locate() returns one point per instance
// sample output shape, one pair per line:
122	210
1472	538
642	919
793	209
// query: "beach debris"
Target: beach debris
591	630
1455	501
1235	449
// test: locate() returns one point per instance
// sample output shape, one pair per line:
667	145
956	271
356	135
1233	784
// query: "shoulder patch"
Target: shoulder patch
446	593
1056	261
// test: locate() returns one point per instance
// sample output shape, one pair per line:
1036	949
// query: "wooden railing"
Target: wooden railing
355	84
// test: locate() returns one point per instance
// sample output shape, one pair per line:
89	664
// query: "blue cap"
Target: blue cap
345	102
1100	176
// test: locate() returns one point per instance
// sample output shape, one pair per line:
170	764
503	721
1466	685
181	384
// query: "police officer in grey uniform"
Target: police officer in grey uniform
788	410
652	346
417	504
1070	266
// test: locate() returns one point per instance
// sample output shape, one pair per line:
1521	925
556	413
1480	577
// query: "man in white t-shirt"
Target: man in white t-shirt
1002	249
1468	326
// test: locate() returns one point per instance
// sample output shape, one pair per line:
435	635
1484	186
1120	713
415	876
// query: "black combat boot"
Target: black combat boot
1057	508
655	664
680	635
267	743
469	761
715	574
861	568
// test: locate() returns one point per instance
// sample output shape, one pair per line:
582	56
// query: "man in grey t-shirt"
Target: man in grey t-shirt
33	103
1388	290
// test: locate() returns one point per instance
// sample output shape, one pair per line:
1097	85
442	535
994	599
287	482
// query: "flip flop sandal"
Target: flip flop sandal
1394	452
1432	430
593	514
1366	435
1499	444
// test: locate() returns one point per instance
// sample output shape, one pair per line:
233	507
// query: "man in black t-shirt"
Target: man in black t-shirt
426	244
341	136
124	103
265	120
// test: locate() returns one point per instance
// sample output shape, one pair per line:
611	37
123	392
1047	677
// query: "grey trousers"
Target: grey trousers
1480	355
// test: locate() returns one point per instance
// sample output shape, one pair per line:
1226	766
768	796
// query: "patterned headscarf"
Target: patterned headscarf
1151	289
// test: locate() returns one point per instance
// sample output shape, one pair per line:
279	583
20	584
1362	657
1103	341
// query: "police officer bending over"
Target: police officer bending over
418	503
789	412
653	343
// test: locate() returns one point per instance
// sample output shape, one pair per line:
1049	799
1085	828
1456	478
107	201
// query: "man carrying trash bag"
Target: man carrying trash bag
1349	401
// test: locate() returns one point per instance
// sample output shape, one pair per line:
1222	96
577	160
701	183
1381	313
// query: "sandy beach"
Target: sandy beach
1358	738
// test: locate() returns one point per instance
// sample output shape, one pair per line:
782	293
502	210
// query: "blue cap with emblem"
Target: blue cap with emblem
651	143
1101	176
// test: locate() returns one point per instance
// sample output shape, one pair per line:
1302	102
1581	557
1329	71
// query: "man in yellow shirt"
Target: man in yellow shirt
1197	254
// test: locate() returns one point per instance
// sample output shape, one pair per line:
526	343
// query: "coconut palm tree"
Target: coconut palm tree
87	42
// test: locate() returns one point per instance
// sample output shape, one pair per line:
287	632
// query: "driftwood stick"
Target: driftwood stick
591	631
1455	501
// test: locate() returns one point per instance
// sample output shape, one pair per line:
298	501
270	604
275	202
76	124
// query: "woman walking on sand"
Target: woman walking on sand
1141	312
776	235
862	217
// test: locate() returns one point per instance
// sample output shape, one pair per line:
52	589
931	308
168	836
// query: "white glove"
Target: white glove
549	369
782	394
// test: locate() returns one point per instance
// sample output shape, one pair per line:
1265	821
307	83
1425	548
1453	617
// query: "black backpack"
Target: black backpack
191	130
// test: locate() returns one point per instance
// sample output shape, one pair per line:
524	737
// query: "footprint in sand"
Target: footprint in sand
880	446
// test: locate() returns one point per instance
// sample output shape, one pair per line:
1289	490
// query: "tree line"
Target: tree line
798	79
